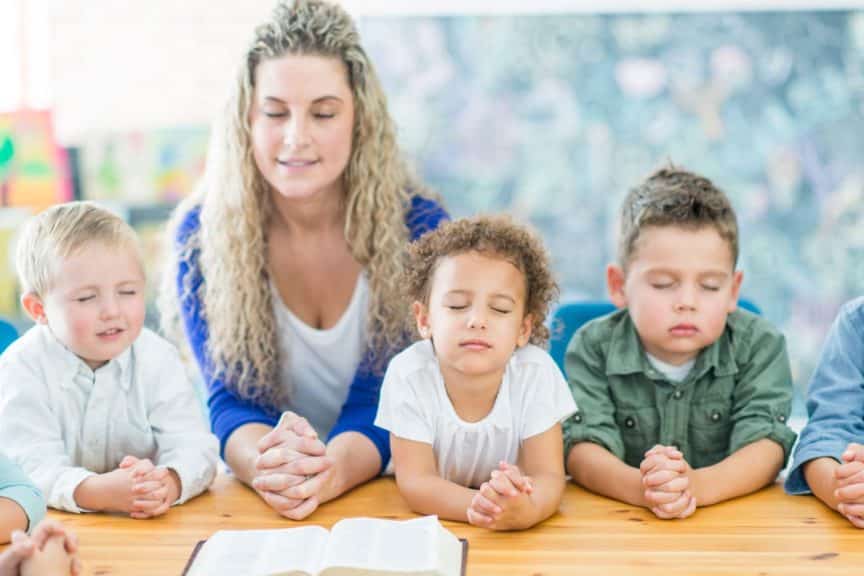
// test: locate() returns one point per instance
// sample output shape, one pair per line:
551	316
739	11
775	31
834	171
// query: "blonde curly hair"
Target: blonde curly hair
498	236
236	205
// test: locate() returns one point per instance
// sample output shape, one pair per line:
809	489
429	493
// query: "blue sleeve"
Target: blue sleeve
15	486
358	412
424	215
835	398
227	411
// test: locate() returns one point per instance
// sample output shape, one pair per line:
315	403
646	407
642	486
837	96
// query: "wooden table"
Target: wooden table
764	534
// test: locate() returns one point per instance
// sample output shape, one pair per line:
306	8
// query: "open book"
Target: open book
353	547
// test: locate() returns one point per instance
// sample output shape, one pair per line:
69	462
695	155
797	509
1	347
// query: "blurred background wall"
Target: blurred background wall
550	112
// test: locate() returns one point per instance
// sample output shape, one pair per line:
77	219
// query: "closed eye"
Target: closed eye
85	298
500	310
457	307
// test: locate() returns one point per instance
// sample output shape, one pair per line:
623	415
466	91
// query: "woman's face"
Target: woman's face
302	120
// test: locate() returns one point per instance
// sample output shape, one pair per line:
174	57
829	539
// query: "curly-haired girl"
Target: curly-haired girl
287	258
474	409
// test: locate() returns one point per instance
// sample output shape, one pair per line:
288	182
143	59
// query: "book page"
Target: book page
450	550
261	552
370	545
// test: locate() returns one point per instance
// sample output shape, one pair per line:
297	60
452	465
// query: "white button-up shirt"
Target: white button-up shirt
62	422
414	405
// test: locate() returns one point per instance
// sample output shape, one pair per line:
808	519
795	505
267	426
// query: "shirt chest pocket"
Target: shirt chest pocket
710	428
640	430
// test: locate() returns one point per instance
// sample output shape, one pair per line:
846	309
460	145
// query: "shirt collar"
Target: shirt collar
501	415
627	356
63	364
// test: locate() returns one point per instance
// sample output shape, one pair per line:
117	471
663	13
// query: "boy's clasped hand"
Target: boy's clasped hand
668	487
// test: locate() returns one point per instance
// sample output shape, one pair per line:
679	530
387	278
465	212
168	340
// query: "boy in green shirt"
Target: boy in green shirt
683	398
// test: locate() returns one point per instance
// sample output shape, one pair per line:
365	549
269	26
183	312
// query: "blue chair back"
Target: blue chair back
570	316
8	334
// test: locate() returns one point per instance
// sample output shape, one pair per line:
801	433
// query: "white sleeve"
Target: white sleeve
401	406
32	436
183	440
546	396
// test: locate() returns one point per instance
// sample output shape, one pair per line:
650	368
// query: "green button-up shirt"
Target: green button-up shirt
738	391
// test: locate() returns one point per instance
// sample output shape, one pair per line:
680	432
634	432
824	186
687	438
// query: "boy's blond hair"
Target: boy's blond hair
490	235
60	231
673	196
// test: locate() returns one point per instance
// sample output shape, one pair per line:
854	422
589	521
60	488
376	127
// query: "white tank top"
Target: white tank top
319	365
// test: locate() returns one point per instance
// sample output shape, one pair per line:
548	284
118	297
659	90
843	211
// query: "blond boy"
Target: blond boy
94	407
683	398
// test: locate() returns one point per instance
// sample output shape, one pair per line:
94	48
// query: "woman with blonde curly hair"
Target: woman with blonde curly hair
287	261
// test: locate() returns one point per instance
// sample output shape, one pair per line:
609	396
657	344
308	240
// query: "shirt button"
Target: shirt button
577	418
677	394
630	422
781	418
715	416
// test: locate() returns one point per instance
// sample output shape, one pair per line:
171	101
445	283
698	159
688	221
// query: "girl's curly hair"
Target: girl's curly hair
489	235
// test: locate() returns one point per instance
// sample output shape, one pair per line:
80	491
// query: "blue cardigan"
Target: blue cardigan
228	411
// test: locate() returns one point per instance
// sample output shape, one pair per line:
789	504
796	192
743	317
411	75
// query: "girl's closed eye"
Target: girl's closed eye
86	298
456	301
662	285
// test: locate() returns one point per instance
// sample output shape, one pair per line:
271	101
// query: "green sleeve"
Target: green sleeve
594	419
762	399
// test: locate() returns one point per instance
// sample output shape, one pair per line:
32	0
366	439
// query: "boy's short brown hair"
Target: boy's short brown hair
491	235
673	196
60	231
